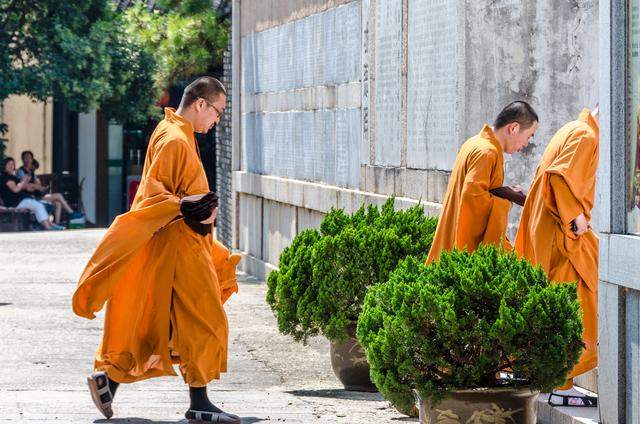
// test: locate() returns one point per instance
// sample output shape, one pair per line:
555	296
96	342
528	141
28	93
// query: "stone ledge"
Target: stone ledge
342	96
620	267
255	267
426	184
316	196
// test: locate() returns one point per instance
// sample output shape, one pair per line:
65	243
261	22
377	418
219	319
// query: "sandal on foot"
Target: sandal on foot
573	400
101	393
203	417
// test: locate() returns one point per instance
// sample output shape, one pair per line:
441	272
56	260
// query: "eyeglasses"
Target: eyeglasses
218	111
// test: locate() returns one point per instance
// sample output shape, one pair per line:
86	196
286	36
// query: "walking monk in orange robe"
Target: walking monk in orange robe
161	274
471	214
554	231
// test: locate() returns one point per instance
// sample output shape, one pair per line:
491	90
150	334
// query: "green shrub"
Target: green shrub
290	289
363	253
457	322
323	276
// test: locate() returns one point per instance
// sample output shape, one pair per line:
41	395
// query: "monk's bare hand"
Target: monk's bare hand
581	225
212	218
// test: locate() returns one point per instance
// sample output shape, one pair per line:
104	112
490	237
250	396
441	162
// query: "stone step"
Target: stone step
588	380
548	414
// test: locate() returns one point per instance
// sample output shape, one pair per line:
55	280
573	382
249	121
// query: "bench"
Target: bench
14	219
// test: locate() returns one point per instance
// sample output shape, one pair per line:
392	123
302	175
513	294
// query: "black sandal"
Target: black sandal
203	417
101	393
579	401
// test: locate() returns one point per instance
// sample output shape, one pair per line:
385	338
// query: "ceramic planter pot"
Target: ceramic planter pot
478	406
350	364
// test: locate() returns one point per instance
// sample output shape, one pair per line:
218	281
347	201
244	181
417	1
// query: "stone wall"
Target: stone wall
545	52
345	102
224	160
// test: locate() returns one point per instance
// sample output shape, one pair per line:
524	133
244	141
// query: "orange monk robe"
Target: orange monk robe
563	188
470	214
164	284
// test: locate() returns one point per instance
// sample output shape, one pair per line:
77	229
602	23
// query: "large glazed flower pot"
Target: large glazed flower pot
499	405
350	364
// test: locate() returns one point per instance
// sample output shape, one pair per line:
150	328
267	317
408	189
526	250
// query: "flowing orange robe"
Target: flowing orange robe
564	188
164	284
470	214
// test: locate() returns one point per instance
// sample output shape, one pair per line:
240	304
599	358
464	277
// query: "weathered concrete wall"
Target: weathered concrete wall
544	52
258	15
352	101
30	125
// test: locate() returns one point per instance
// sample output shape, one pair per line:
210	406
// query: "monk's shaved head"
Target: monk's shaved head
207	88
203	103
518	111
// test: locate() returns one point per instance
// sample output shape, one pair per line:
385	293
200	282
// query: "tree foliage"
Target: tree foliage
457	322
90	55
71	51
324	274
186	38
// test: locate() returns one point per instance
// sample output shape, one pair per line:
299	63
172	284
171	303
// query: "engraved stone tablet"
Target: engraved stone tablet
388	81
434	57
309	149
366	81
342	148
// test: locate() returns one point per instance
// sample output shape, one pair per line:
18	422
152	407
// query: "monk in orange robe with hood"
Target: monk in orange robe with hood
160	272
475	208
555	233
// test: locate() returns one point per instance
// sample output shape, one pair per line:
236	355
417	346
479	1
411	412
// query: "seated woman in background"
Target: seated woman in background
35	187
14	194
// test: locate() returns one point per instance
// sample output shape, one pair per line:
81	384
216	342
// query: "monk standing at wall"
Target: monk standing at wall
555	233
475	208
159	270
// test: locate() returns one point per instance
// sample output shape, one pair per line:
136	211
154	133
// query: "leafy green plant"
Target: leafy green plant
93	56
75	52
364	253
456	323
324	275
186	39
291	288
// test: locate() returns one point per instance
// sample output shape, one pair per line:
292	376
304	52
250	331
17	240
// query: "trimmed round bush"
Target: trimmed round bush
362	254
290	290
458	322
324	275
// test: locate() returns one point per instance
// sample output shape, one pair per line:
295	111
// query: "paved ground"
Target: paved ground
46	353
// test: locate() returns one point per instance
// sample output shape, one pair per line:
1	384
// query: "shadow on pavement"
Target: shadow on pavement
134	420
337	394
